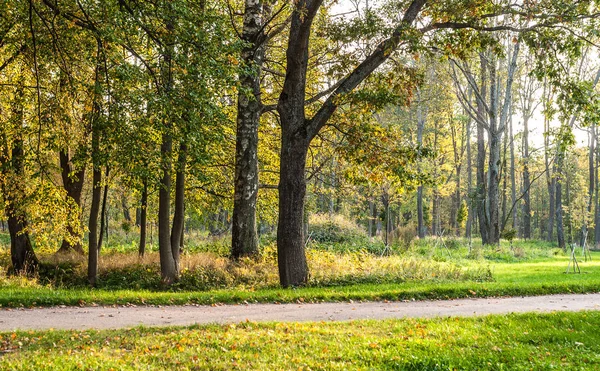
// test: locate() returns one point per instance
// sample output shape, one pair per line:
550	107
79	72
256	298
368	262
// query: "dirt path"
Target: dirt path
122	317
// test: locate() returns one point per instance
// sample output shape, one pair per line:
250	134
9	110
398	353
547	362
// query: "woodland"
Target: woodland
264	130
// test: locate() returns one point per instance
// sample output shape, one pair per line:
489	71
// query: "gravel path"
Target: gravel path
122	317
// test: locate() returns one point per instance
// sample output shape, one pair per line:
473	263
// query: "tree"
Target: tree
244	237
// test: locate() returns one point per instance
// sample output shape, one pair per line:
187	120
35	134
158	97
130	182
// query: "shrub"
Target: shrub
403	237
335	229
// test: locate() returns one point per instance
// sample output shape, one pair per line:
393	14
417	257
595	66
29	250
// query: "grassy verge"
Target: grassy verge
510	279
517	342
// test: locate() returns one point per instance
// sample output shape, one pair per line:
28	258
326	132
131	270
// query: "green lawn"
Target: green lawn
533	277
563	341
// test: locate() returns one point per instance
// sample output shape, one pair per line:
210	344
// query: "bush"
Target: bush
338	234
403	237
335	229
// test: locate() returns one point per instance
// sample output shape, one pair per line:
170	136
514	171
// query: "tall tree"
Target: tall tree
244	237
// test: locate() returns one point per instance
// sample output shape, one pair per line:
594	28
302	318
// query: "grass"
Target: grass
510	279
565	341
424	271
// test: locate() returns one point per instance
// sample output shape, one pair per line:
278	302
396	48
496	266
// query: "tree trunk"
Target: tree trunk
504	173
73	185
560	233
596	194
293	269
125	207
96	131
168	267
23	257
526	181
420	223
591	177
550	180
421	118
93	222
469	225
513	180
143	217
436	222
244	236
179	214
552	211
103	213
481	155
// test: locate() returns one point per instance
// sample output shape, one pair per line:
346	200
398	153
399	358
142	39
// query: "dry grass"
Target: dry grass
206	271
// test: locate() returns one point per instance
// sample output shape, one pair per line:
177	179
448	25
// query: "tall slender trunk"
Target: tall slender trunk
591	177
372	218
596	194
421	228
526	181
421	118
143	217
560	233
103	212
567	218
96	132
168	266
504	173
73	184
481	155
550	179
244	235
513	180
436	220
469	224
179	214
93	222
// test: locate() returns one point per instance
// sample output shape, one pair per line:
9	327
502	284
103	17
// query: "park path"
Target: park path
80	318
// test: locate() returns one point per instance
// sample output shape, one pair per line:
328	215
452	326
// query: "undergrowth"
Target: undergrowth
205	271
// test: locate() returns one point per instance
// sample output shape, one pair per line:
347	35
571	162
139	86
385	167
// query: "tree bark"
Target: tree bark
168	266
481	155
372	218
93	222
550	180
421	228
596	194
513	180
293	269
179	214
526	181
560	233
469	224
103	213
73	184
23	257
244	236
592	178
96	130
421	118
125	207
143	217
